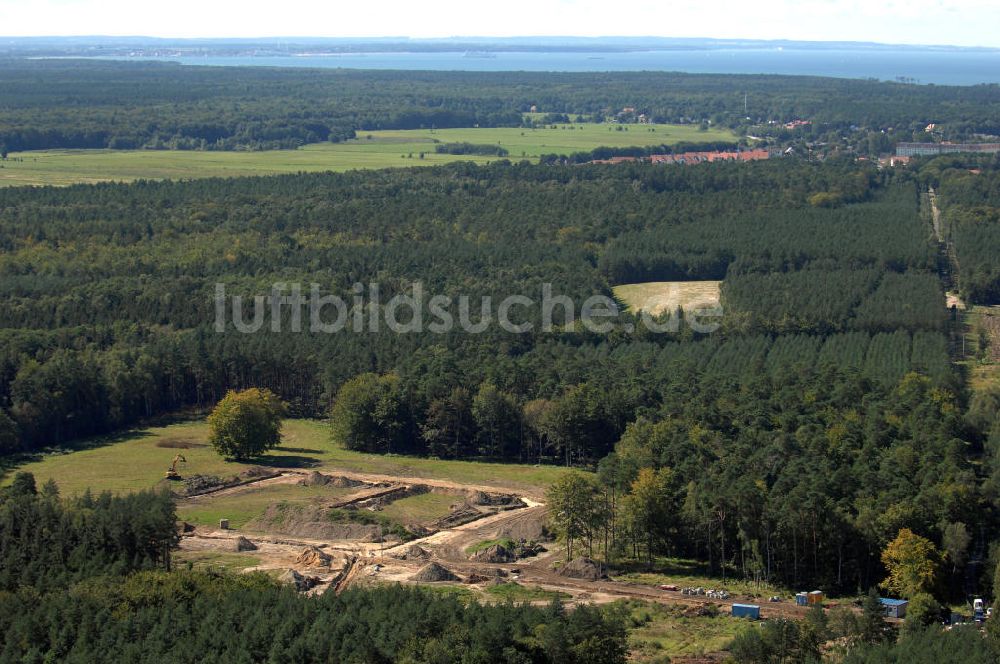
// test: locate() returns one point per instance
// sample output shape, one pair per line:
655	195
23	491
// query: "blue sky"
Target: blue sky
958	22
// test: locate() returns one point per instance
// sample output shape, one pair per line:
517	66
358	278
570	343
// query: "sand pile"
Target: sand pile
314	557
432	572
413	552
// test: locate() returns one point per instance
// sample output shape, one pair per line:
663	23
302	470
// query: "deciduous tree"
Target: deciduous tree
912	562
246	424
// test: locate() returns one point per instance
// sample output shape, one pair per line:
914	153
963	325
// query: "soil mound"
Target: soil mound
315	478
341	482
313	557
201	483
413	552
432	572
312	522
488	576
481	498
495	553
529	527
243	544
256	472
301	582
583	568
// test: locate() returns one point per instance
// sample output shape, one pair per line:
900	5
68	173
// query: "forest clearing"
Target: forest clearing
666	296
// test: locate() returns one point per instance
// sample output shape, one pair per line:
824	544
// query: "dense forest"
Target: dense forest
93	104
88	579
794	442
969	191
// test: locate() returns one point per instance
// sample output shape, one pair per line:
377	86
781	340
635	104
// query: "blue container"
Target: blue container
894	608
801	599
746	611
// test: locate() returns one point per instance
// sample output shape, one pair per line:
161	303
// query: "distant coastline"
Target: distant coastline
940	65
923	66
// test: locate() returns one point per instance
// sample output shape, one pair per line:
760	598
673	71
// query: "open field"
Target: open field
384	149
674	631
242	507
65	167
137	460
657	297
558	139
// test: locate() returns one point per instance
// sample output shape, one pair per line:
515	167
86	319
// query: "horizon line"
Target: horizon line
526	39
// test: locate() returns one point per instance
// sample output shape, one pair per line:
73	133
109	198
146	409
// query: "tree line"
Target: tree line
89	579
969	195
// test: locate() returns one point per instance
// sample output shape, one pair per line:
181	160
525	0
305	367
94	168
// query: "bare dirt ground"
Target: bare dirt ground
355	562
656	297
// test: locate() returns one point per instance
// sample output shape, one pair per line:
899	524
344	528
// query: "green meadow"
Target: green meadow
370	150
138	459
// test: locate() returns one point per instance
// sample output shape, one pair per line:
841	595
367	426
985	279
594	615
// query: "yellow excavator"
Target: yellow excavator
172	473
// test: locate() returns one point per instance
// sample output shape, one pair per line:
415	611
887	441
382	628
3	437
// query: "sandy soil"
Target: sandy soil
361	563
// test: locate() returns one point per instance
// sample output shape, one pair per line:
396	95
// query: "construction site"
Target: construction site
481	538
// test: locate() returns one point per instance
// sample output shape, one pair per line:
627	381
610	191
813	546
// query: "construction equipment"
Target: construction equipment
172	473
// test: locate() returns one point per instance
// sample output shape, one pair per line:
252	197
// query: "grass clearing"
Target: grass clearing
137	459
515	592
656	297
422	508
243	507
691	573
524	143
982	324
375	149
201	560
659	631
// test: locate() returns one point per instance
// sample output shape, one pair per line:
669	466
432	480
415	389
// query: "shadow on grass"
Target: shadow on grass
285	461
298	450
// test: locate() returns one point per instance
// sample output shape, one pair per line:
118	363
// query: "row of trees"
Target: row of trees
49	542
970	197
423	410
374	413
827	301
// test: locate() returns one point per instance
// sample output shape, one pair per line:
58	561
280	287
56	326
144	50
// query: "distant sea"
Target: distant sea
923	65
